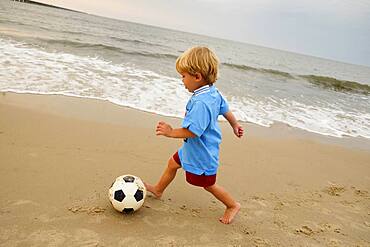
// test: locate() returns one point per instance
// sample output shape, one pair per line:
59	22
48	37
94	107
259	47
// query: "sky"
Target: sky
334	29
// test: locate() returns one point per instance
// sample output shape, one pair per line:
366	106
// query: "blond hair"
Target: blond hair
199	60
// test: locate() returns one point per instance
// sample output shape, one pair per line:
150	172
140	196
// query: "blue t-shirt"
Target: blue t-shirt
200	155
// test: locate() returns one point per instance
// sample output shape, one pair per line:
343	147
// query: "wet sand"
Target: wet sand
59	155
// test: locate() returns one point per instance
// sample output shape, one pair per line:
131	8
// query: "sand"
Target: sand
59	155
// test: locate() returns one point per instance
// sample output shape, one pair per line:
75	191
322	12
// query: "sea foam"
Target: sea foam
28	69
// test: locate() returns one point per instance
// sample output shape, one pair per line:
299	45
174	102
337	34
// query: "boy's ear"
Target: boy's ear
198	76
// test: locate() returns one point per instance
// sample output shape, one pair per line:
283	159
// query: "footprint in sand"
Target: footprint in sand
306	230
334	189
335	242
247	231
195	212
321	228
259	201
361	193
327	227
261	242
89	210
155	204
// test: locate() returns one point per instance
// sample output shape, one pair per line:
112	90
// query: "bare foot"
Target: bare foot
230	214
153	190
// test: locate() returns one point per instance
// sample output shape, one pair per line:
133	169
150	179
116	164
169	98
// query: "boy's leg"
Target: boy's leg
232	207
167	177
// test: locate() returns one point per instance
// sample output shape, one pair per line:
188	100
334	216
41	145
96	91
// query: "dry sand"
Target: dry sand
59	155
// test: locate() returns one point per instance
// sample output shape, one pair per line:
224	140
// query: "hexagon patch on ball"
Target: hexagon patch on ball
129	179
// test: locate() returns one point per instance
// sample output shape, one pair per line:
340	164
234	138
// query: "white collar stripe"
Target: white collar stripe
201	90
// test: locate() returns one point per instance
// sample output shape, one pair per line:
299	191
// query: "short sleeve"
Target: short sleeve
224	106
197	118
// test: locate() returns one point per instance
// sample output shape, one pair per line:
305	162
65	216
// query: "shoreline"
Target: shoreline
276	130
59	155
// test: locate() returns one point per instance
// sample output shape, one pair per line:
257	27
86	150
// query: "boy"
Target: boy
199	154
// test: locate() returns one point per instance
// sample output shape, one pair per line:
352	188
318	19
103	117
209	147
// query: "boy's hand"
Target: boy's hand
163	129
238	130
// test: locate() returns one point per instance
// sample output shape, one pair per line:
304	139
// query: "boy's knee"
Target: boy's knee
172	164
209	188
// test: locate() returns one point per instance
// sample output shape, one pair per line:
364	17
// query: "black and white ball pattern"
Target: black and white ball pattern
127	193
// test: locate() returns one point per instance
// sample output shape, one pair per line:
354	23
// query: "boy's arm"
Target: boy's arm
166	130
237	128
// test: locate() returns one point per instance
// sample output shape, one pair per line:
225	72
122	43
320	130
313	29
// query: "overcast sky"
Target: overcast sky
335	29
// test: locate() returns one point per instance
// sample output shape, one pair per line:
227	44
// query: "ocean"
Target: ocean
53	51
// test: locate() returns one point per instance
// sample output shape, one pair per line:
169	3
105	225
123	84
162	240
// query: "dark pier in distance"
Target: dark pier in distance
45	5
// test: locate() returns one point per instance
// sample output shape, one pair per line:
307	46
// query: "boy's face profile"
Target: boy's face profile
192	82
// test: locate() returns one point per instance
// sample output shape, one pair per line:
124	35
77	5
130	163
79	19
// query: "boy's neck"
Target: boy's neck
202	84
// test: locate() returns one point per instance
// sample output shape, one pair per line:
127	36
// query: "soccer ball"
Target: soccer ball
127	193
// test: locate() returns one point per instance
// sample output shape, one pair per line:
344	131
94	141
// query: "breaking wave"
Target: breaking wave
261	70
321	81
338	85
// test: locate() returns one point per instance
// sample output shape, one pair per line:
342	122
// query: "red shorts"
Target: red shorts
197	180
